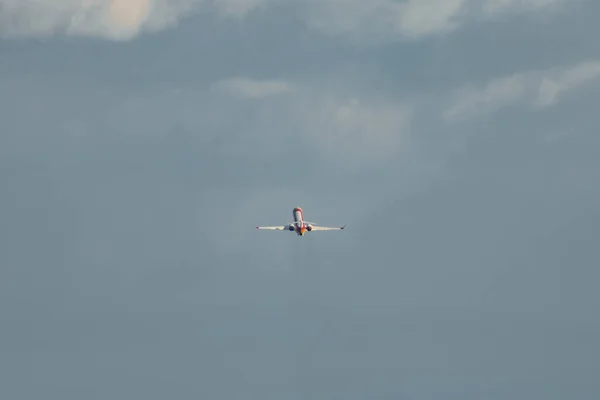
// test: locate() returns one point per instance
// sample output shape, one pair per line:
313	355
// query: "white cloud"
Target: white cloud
382	18
504	6
353	128
238	8
498	93
538	89
559	82
391	19
359	19
332	123
430	16
359	129
113	19
110	19
251	88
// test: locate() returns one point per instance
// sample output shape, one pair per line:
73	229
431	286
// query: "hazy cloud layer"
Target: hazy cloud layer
277	119
362	20
539	89
497	6
111	19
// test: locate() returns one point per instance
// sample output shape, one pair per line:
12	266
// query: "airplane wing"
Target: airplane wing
327	228
273	228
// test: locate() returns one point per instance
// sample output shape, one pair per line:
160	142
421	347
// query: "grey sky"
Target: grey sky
142	142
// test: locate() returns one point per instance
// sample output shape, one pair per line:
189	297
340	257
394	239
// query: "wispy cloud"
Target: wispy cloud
358	19
357	128
537	89
503	6
557	83
381	19
497	94
333	122
110	19
378	20
238	8
329	123
251	88
113	19
269	118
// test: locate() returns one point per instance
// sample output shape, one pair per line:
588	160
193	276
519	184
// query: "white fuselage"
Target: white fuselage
299	225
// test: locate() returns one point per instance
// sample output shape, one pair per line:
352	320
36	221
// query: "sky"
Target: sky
142	141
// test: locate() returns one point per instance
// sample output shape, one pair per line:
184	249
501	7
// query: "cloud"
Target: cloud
504	6
553	85
271	120
238	8
377	20
352	129
333	121
538	89
356	128
498	93
382	18
251	88
111	19
114	19
357	19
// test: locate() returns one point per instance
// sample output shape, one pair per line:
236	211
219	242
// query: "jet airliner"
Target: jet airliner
300	226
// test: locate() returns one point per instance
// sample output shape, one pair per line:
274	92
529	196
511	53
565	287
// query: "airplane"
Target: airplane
300	226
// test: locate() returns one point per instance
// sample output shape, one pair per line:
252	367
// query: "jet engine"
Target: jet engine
309	227
291	228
